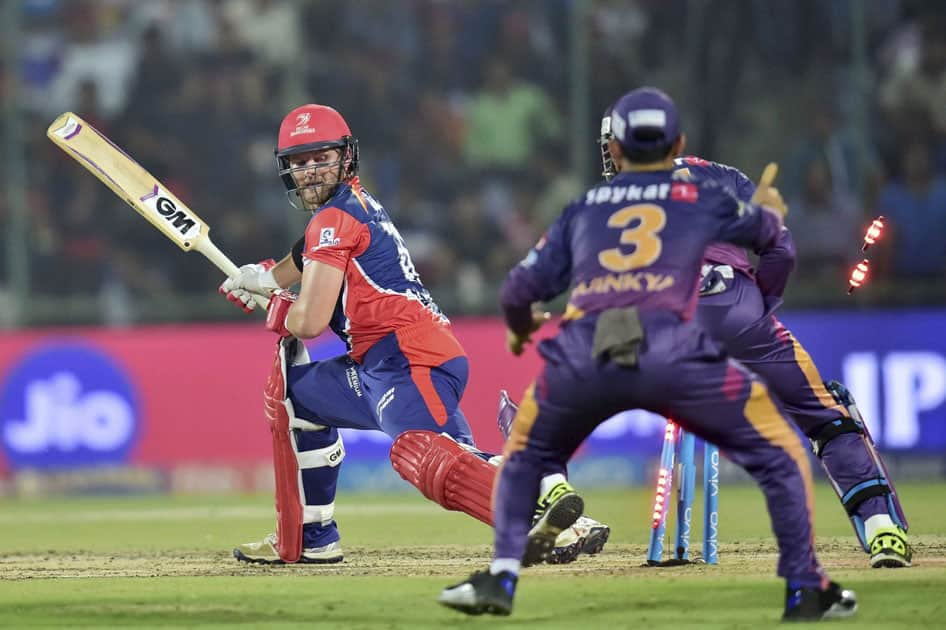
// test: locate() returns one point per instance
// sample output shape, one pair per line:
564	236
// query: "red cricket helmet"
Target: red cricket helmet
312	128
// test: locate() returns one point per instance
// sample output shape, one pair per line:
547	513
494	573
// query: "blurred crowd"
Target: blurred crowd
465	113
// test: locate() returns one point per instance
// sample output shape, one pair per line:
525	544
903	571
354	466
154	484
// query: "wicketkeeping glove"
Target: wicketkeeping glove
254	278
766	194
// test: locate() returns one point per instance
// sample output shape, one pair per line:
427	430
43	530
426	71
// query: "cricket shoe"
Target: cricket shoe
586	536
482	592
558	510
811	604
265	552
889	549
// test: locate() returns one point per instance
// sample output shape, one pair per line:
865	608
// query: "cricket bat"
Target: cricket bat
140	190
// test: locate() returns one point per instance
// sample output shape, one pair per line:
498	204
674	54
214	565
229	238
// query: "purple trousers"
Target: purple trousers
683	375
743	322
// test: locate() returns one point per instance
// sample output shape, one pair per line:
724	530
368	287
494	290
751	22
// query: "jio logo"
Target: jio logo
67	405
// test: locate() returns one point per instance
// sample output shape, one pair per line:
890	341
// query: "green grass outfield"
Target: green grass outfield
158	562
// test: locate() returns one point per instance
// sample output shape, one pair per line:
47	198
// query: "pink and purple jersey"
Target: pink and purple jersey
776	260
382	292
695	168
637	240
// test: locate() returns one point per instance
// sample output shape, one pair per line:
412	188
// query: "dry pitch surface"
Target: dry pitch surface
398	535
618	559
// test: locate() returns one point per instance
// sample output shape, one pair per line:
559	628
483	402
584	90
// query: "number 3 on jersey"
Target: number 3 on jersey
643	236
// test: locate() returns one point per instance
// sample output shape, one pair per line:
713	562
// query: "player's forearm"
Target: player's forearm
311	313
285	272
769	228
755	226
776	264
304	324
516	300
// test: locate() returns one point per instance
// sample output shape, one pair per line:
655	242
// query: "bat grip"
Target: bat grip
206	247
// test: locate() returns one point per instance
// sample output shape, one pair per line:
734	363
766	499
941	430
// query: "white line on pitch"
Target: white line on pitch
198	513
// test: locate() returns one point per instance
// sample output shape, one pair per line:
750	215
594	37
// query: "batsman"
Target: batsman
404	372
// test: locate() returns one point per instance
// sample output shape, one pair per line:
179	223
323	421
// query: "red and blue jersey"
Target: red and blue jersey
382	292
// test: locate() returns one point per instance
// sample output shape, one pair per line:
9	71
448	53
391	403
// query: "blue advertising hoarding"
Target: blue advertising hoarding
894	362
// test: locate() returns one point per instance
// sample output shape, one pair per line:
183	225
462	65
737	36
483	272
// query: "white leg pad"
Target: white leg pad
296	422
321	457
322	514
294	353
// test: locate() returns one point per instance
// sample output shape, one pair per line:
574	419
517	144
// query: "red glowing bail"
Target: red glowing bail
858	276
874	231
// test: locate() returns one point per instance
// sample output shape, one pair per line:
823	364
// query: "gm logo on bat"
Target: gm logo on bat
177	218
67	405
156	201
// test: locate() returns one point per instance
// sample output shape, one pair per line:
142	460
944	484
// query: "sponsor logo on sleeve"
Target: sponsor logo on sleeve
327	238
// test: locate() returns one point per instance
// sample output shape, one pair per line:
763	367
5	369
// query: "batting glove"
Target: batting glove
277	311
254	278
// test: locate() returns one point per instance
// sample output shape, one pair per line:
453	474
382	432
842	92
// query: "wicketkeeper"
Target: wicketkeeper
737	307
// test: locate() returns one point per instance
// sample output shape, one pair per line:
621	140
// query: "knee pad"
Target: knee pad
449	474
832	430
289	351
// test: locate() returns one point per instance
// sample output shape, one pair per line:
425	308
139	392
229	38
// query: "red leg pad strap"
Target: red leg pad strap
285	464
445	472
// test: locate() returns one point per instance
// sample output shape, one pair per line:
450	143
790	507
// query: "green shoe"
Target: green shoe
558	510
889	549
584	536
554	494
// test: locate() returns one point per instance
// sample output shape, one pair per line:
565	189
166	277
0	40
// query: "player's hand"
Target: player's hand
277	311
768	195
772	198
254	278
516	342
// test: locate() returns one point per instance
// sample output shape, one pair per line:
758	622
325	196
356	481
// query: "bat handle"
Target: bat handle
206	247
